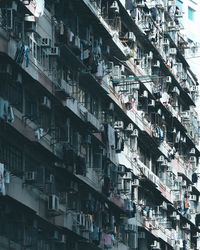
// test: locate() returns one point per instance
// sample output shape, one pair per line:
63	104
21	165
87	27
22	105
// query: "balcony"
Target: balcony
80	111
180	166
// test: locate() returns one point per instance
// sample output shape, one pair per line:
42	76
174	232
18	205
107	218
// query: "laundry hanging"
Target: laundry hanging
39	10
2	180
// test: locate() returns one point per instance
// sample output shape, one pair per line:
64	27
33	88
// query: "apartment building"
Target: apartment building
99	133
190	12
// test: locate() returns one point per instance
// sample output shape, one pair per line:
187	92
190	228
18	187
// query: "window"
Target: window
12	157
132	143
191	14
45	120
38	53
31	107
13	93
44	58
15	96
82	96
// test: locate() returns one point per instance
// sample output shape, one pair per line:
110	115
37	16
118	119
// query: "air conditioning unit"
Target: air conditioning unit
128	176
145	94
171	3
159	4
193	159
152	103
164	205
184	183
19	78
185	115
55	51
46	42
186	226
131	36
141	4
121	169
176	90
156	245
30	176
193	197
166	42
196	235
161	159
111	107
189	188
180	179
123	69
192	211
172	51
193	88
53	203
39	133
116	73
168	79
164	163
130	127
46	102
150	55
135	132
136	86
159	112
119	125
173	215
171	25
178	217
170	169
114	5
135	183
157	64
110	66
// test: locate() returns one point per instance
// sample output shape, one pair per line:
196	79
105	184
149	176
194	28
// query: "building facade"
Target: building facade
190	12
99	133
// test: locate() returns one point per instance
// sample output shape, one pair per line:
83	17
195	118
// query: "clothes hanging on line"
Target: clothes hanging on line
2	180
39	10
